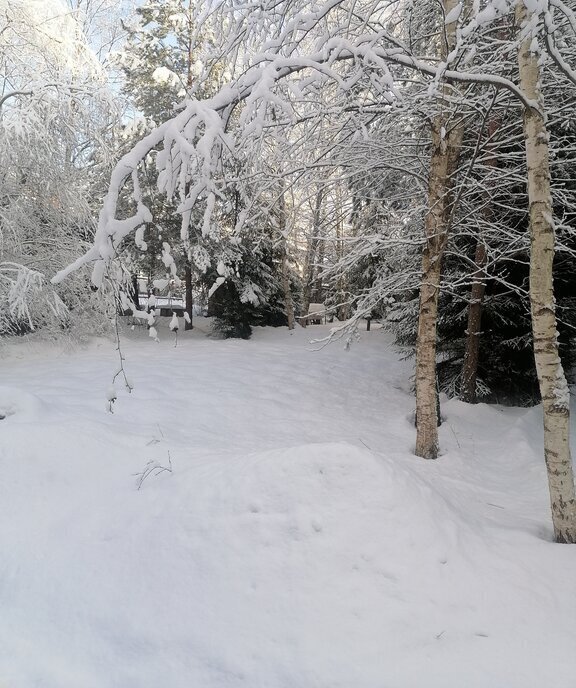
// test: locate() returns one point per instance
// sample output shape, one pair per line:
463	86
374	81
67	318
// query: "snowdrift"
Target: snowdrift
311	564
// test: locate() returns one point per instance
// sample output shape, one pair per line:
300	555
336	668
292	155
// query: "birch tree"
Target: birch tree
553	386
447	133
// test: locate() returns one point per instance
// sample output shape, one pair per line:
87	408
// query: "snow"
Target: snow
453	15
252	515
163	75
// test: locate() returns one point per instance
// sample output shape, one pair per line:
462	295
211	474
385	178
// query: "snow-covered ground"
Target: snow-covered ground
296	542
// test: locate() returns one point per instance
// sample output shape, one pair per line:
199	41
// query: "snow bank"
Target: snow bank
281	551
19	405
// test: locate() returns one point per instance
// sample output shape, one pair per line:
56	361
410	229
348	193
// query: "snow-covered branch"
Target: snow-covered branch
194	140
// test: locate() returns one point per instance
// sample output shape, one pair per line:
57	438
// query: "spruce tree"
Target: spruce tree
160	71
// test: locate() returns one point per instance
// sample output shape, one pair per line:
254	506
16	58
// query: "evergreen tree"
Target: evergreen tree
238	270
161	70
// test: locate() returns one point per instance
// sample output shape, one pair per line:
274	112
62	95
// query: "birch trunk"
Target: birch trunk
342	294
553	386
446	143
318	291
426	393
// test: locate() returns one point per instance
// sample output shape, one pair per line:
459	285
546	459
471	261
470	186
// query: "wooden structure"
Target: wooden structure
316	315
164	306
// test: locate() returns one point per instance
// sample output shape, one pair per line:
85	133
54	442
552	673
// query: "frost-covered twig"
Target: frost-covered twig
153	468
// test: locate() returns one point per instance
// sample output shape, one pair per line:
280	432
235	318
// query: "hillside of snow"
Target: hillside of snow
251	515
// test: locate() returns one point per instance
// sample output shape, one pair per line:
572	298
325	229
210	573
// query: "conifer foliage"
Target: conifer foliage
167	59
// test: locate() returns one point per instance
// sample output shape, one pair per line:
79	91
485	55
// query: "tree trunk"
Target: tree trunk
189	302
472	345
288	301
285	267
311	256
134	291
446	143
551	379
342	295
188	292
426	391
318	284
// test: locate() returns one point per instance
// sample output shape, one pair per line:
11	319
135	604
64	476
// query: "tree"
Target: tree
553	386
447	133
160	65
55	109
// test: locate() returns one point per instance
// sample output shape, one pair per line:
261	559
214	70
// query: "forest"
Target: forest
305	272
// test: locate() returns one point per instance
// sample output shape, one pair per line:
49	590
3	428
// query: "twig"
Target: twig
153	468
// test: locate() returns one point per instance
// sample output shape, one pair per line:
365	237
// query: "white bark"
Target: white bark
446	143
553	387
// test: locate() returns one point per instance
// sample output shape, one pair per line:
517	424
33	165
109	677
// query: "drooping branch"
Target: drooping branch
13	94
192	140
553	51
